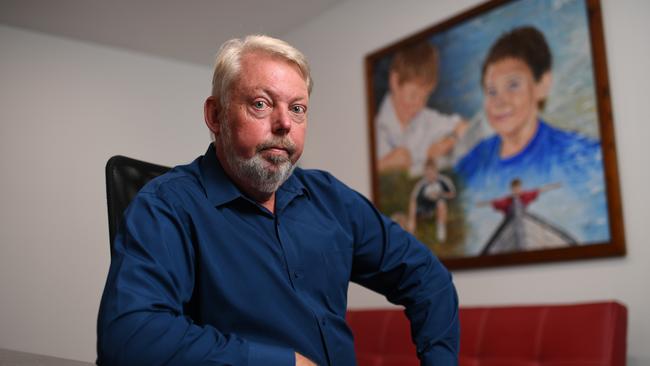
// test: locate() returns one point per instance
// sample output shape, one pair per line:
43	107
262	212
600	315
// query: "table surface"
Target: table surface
16	358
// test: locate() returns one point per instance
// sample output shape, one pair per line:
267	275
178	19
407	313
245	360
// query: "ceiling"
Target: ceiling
189	30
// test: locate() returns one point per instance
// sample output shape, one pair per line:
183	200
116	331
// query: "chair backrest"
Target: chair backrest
124	178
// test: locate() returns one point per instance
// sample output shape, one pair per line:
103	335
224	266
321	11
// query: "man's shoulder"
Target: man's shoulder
315	177
323	184
179	179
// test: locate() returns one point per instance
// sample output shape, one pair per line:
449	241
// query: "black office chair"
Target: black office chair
124	178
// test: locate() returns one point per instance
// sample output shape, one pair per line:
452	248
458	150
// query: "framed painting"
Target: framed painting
491	135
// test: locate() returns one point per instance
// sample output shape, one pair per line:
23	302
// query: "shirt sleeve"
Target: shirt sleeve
150	281
529	196
389	260
502	204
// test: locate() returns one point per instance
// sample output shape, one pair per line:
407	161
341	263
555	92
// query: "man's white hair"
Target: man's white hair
227	65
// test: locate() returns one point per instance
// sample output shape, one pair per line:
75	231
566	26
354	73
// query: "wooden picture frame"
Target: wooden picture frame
444	124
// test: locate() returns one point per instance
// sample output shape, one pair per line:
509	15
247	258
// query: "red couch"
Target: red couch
545	335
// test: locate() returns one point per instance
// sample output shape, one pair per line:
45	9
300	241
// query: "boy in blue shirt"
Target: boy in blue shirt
516	79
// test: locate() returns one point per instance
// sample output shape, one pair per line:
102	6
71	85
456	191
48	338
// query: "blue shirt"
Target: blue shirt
553	155
203	275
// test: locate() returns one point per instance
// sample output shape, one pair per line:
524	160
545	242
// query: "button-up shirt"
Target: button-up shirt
203	275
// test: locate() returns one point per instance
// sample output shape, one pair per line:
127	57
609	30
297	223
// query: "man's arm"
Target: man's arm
151	279
391	261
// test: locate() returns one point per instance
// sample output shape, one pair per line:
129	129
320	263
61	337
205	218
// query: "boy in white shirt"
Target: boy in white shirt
408	133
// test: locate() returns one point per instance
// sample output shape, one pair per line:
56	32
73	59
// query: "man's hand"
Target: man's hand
303	361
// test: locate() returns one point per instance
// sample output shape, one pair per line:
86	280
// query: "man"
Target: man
238	259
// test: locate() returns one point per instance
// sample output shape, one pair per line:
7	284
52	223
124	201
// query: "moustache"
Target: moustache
278	143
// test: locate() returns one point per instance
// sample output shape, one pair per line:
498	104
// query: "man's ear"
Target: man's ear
543	86
211	110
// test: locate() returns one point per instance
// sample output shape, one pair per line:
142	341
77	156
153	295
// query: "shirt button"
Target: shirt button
323	322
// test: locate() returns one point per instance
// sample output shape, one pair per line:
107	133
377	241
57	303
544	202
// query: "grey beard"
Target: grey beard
256	171
264	175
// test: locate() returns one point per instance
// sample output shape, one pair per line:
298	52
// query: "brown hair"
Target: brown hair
523	43
416	62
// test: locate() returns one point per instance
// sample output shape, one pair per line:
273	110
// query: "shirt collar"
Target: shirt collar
290	189
218	186
220	189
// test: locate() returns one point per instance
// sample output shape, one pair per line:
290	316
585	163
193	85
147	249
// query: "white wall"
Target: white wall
337	43
65	108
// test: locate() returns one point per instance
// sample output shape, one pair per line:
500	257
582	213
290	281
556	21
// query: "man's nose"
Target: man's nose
281	123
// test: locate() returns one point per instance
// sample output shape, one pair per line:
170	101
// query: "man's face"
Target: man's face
263	130
408	97
511	96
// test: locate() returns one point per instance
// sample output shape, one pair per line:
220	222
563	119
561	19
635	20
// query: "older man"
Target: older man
239	258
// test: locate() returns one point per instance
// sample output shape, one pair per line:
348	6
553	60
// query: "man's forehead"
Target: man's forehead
253	59
263	72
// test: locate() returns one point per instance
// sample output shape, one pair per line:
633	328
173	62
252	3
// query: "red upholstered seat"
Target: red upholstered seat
543	335
382	338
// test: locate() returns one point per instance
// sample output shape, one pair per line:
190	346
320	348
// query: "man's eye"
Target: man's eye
298	109
492	92
259	104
